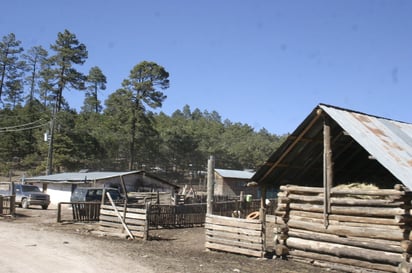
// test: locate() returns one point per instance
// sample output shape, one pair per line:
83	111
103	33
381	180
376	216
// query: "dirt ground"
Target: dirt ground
34	242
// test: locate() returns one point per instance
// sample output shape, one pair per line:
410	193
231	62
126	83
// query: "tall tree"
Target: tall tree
35	62
11	68
145	84
96	81
61	73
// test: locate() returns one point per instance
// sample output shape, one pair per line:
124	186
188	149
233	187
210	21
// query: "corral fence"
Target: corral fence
7	205
234	235
165	216
81	211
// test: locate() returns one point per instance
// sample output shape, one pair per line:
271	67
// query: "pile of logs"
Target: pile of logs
362	231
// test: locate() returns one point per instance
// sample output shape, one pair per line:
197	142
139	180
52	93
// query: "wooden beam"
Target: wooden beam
296	141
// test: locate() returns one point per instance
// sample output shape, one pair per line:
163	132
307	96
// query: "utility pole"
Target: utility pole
49	168
210	184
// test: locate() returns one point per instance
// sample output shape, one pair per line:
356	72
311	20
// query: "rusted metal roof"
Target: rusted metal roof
365	148
388	141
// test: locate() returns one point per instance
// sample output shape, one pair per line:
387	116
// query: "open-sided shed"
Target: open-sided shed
348	228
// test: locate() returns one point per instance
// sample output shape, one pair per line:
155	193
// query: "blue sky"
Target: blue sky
266	63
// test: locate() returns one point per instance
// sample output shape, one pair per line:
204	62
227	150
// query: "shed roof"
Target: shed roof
235	174
77	177
365	148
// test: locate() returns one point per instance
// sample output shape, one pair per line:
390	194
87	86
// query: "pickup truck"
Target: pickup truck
26	195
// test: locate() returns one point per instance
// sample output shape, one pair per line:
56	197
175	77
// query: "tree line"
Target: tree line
41	134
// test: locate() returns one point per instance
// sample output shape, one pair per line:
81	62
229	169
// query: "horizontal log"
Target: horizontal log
344	201
341	230
375	244
350	224
337	191
333	261
346	210
231	249
347	218
344	251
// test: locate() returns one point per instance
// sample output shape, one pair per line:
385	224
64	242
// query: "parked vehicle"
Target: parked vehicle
94	194
28	195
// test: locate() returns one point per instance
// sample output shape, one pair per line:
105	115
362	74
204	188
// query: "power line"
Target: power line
23	127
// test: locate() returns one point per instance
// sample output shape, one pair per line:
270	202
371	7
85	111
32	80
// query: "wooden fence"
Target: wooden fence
7	205
235	235
134	220
81	211
365	229
169	216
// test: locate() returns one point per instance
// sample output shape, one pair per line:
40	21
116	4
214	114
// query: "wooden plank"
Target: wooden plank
235	222
135	222
140	216
230	235
109	218
111	224
234	243
128	215
233	230
231	249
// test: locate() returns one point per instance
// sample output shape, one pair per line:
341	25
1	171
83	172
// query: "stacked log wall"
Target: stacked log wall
365	229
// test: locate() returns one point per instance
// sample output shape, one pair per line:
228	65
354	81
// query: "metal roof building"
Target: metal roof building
234	173
78	177
365	148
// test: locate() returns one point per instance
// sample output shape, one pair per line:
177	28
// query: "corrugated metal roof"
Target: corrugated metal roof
388	141
235	174
356	138
78	177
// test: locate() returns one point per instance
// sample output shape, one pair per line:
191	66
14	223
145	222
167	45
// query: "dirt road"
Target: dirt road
34	242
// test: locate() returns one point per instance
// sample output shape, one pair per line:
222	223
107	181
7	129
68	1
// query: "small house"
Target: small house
233	182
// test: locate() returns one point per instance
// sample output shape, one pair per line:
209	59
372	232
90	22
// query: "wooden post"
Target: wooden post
210	184
59	212
147	224
327	170
262	215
